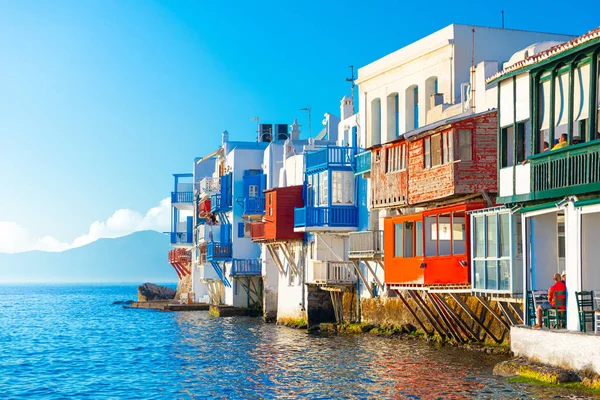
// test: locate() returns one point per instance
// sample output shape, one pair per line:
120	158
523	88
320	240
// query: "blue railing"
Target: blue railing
337	216
330	156
218	251
363	162
220	202
182	197
254	205
240	267
181	238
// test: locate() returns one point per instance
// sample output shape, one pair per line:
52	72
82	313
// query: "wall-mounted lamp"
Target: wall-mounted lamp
463	263
423	265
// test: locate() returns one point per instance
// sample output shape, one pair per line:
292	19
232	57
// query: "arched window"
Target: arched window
375	121
393	116
411	108
431	88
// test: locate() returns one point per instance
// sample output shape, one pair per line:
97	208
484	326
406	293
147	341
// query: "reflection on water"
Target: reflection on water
69	342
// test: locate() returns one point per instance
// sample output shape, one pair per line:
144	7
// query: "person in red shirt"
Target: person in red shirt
559	286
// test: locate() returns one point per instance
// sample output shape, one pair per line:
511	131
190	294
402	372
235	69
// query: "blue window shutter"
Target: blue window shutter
240	229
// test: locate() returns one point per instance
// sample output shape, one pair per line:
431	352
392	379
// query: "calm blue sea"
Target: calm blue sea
70	341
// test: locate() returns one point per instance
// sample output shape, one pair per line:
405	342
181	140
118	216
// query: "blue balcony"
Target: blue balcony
220	203
330	156
254	205
182	197
181	238
334	217
363	163
243	267
216	251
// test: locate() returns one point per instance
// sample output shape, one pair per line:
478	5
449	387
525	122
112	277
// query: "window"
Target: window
561	102
447	147
544	113
398	240
409	239
444	235
523	141
465	145
253	191
323	188
508	143
342	187
418	238
416	107
430	236
427	152
244	230
458	233
493	235
395	158
270	203
436	150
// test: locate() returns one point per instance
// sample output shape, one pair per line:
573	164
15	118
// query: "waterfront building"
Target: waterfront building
550	197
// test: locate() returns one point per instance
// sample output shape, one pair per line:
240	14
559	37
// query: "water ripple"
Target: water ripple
66	341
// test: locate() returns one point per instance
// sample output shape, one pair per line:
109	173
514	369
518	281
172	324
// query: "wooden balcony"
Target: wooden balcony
332	273
363	163
180	256
246	267
326	217
569	171
220	203
218	251
330	156
257	230
254	205
366	245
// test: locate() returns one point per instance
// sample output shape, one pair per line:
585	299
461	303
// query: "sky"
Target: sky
102	101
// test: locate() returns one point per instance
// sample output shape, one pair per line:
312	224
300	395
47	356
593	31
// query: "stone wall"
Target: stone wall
319	307
391	311
183	286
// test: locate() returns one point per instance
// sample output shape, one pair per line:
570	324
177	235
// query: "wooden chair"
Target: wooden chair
585	307
597	314
558	314
534	299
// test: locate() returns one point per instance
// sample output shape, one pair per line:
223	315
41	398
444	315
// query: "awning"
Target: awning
587	202
538	207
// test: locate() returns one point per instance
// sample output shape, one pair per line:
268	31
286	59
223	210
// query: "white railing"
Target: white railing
332	272
208	186
366	243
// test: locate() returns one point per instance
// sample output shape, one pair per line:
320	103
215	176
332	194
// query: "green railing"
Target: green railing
363	162
572	170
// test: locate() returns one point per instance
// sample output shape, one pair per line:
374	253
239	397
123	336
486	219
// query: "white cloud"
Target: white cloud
15	239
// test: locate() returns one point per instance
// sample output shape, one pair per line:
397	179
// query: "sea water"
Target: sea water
70	341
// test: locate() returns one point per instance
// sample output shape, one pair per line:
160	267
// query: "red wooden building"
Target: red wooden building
278	222
445	170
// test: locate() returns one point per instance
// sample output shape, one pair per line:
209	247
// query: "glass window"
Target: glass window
479	235
523	141
492	229
430	236
459	238
544	114
436	150
518	237
427	152
561	235
464	143
504	235
447	147
398	240
418	238
253	191
444	235
409	239
479	275
504	270
492	275
324	188
508	144
336	187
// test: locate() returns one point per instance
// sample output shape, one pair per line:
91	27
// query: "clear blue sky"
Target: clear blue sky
101	101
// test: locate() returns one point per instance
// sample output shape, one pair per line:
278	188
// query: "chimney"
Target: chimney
295	130
346	107
224	137
436	99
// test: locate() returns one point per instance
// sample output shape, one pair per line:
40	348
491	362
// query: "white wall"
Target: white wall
590	252
545	250
290	293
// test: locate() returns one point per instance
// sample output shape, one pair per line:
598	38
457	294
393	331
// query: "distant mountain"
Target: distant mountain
139	257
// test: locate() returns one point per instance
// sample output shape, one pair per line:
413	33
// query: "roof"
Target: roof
547	54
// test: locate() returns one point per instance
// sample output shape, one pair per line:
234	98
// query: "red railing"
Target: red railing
257	230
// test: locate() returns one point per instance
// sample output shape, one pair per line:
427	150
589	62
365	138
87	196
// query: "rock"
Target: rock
539	372
507	368
152	292
408	328
127	302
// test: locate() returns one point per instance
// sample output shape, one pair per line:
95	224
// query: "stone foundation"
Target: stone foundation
319	307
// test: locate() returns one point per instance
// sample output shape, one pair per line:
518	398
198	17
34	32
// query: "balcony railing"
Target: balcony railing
366	244
220	202
336	216
208	186
218	251
180	256
257	230
330	156
182	238
254	205
363	162
182	197
250	267
572	170
333	272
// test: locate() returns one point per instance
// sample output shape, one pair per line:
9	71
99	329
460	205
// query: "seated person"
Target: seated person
562	142
559	286
576	139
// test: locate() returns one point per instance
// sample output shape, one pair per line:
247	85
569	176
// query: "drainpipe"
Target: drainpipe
303	280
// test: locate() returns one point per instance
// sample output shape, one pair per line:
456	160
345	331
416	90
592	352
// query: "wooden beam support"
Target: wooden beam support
427	312
516	308
362	277
372	271
289	258
413	313
493	312
447	320
471	314
276	258
507	312
464	327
